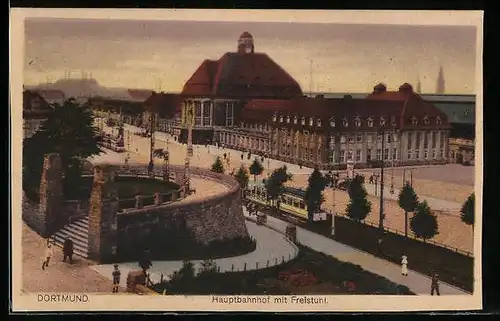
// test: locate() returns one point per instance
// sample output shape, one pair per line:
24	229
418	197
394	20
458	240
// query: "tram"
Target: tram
292	200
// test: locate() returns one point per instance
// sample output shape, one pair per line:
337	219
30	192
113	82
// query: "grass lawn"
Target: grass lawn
310	273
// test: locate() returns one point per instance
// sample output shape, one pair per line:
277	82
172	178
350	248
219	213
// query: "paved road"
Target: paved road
271	246
416	282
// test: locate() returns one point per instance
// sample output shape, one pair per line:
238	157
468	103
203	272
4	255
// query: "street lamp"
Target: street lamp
381	212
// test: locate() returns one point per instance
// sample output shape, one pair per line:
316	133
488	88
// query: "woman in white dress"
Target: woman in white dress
404	265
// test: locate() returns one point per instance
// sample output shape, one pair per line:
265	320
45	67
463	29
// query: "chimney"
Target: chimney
380	88
406	88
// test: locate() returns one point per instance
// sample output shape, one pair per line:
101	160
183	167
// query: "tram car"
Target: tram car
292	200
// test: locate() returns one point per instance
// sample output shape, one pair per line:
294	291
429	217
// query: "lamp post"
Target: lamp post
381	212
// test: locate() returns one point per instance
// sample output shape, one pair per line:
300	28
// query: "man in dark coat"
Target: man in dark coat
68	250
435	284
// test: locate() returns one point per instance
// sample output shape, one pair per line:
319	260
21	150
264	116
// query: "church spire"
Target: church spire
440	82
419	86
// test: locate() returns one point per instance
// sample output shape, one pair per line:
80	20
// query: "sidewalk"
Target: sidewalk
416	282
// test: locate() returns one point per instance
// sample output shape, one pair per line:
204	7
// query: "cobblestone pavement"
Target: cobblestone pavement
445	186
272	248
59	276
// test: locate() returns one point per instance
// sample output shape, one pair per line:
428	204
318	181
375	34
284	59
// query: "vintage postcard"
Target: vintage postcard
246	160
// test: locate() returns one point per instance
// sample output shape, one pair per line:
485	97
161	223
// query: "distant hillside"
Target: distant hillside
79	88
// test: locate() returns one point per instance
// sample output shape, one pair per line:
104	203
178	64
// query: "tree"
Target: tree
242	176
207	267
358	207
314	192
467	210
424	223
69	131
256	169
217	166
163	153
408	201
274	185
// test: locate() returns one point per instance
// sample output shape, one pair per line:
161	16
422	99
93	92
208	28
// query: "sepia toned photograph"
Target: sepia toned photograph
189	160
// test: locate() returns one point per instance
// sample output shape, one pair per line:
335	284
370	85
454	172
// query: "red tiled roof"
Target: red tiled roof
252	75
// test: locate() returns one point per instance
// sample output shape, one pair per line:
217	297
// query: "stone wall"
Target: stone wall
216	217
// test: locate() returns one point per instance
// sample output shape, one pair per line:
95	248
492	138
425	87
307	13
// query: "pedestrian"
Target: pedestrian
116	278
404	266
371	179
48	254
68	250
435	284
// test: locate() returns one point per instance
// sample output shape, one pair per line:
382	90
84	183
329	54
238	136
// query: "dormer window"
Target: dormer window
274	118
426	120
318	122
288	119
357	122
345	122
332	122
370	122
382	121
414	121
303	121
438	120
295	120
311	121
281	119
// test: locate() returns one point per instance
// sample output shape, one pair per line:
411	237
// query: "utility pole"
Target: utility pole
310	77
381	214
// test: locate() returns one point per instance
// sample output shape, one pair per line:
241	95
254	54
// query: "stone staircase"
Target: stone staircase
78	232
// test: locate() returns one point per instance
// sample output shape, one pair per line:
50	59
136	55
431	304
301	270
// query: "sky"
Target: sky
162	55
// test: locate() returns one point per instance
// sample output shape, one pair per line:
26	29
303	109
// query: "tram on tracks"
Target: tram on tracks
292	200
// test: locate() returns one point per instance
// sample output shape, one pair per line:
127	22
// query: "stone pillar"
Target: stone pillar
138	201
51	195
102	234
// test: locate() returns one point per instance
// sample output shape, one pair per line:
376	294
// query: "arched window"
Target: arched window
311	121
318	122
345	122
288	119
426	120
382	121
274	117
332	122
370	122
438	120
295	120
357	122
281	119
303	121
414	121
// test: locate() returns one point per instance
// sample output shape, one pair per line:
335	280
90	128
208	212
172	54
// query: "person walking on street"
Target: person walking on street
404	266
435	284
68	250
48	254
116	278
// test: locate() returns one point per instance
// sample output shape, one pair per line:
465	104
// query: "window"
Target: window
441	143
351	139
274	118
342	156
206	114
332	122
357	122
395	137
369	154
288	119
393	121
426	120
358	155
414	121
438	120
441	153
426	154
418	140
370	122
349	157
295	120
426	139
394	153
303	121
410	140
379	154
433	139
318	122
382	121
386	154
369	138
433	154
345	122
379	137
311	121
389	138
281	119
417	153
409	154
359	138
342	139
